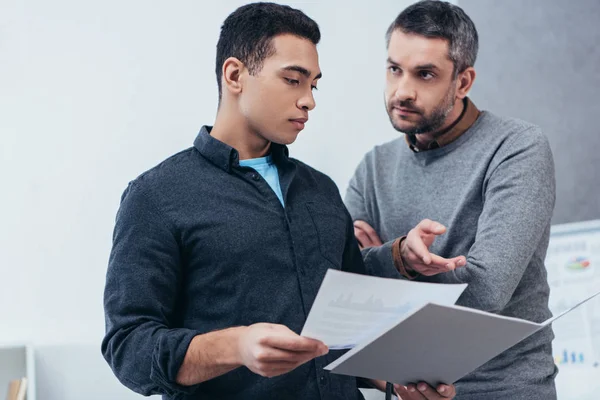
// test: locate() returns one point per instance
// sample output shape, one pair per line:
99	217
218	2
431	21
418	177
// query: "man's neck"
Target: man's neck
231	129
424	139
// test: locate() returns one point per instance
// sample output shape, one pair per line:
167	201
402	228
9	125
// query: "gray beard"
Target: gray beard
434	121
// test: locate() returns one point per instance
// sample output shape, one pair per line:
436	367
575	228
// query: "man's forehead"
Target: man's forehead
416	50
291	50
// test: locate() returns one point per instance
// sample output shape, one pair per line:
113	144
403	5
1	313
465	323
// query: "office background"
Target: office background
94	93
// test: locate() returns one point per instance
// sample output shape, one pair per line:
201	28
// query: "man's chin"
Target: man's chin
406	128
285	140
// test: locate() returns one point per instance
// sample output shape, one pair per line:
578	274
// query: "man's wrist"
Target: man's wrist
238	333
399	263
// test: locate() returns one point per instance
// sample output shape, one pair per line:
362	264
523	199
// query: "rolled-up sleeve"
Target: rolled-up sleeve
142	346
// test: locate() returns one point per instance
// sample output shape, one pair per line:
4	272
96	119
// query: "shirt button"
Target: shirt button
322	379
255	177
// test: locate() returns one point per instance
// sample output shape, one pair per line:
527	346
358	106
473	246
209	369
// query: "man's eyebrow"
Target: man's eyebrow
418	67
427	66
302	70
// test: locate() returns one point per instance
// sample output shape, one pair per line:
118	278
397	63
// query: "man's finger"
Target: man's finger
428	392
447	391
369	231
398	389
437	264
428	226
460	261
409	393
361	237
446	264
457	262
273	355
293	342
415	244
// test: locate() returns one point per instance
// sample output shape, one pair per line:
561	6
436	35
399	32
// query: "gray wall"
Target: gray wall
539	61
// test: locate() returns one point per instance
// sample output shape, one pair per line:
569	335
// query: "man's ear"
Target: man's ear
465	82
232	75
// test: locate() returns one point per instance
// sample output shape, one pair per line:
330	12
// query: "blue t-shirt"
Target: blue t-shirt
268	170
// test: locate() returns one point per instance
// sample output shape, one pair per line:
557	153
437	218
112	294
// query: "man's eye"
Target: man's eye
426	75
314	87
292	81
393	69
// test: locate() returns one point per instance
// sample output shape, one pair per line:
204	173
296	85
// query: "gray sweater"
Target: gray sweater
494	189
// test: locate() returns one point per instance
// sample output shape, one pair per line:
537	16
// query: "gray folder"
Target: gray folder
436	344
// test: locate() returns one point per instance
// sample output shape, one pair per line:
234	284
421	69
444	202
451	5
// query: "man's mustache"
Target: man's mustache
407	105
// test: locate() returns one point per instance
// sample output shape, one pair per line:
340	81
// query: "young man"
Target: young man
219	250
489	180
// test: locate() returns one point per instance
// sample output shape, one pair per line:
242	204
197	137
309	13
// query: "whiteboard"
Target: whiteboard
573	264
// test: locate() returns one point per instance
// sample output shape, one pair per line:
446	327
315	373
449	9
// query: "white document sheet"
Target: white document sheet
351	308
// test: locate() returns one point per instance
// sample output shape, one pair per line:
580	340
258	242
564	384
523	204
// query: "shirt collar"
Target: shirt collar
224	156
466	119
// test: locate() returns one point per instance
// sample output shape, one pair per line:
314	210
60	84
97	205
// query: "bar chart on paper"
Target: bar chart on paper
351	308
573	264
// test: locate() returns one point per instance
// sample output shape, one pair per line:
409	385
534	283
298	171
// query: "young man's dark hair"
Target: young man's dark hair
246	34
440	19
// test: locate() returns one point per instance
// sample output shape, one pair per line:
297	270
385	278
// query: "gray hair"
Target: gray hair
440	19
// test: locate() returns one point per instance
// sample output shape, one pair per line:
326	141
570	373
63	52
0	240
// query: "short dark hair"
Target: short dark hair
246	34
440	19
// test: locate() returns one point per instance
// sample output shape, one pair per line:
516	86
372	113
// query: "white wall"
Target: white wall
94	93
